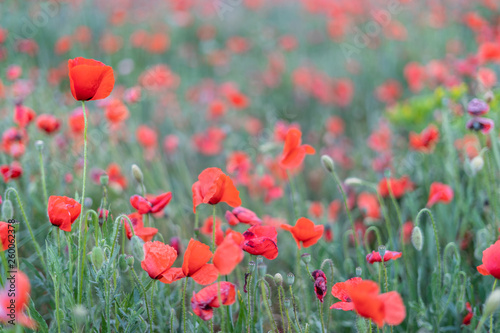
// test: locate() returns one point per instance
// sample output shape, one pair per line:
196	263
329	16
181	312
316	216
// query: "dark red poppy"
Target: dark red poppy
319	284
261	241
426	140
48	123
242	215
144	233
90	79
158	260
20	299
294	153
339	290
491	262
389	255
207	298
439	193
212	187
468	317
63	212
12	171
305	231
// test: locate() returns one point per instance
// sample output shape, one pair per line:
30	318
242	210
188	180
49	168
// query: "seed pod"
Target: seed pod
417	239
39	145
122	264
97	257
306	258
104	179
137	248
278	279
353	181
327	163
359	271
262	269
477	164
381	250
290	278
7	210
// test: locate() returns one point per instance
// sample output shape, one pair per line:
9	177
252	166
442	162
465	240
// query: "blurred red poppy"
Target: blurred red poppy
468	317
398	186
90	79
320	284
207	230
294	153
144	233
212	187
426	140
242	215
23	115
63	211
376	257
305	231
5	230
339	290
439	193
151	205
368	205
48	123
12	171
207	298
261	241
20	299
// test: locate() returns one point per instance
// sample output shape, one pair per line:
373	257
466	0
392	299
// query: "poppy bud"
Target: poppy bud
7	210
262	269
39	145
306	258
290	278
260	260
417	239
104	179
137	173
489	96
359	271
97	257
137	247
278	279
492	303
130	261
381	251
327	163
353	181
477	164
122	264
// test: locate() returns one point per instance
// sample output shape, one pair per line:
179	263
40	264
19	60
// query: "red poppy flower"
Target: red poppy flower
77	121
146	136
383	309
305	231
23	115
90	79
316	209
195	263
426	140
12	171
398	186
116	177
212	187
142	205
389	255
144	233
319	284
339	290
4	235
407	230
261	241
294	153
153	205
116	112
158	260
209	142
369	206
20	298
48	123
207	298
63	211
242	215
491	262
489	51
468	317
439	193
229	253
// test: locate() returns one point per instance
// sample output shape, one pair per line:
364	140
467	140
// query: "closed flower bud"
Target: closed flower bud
489	96
7	210
137	173
137	248
39	145
130	261
492	303
122	264
306	258
327	163
278	279
353	181
97	257
477	164
80	312
104	179
290	278
417	239
359	271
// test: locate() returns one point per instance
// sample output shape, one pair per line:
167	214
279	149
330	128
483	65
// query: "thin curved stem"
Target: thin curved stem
145	298
438	250
184	305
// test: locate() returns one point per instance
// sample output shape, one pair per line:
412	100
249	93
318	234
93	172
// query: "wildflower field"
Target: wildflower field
249	166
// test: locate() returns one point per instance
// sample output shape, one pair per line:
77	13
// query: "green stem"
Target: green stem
320	305
184	305
42	172
292	189
267	307
80	222
213	229
281	310
145	298
294	309
438	250
491	316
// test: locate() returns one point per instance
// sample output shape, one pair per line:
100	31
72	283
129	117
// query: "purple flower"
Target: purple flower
485	125
477	107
